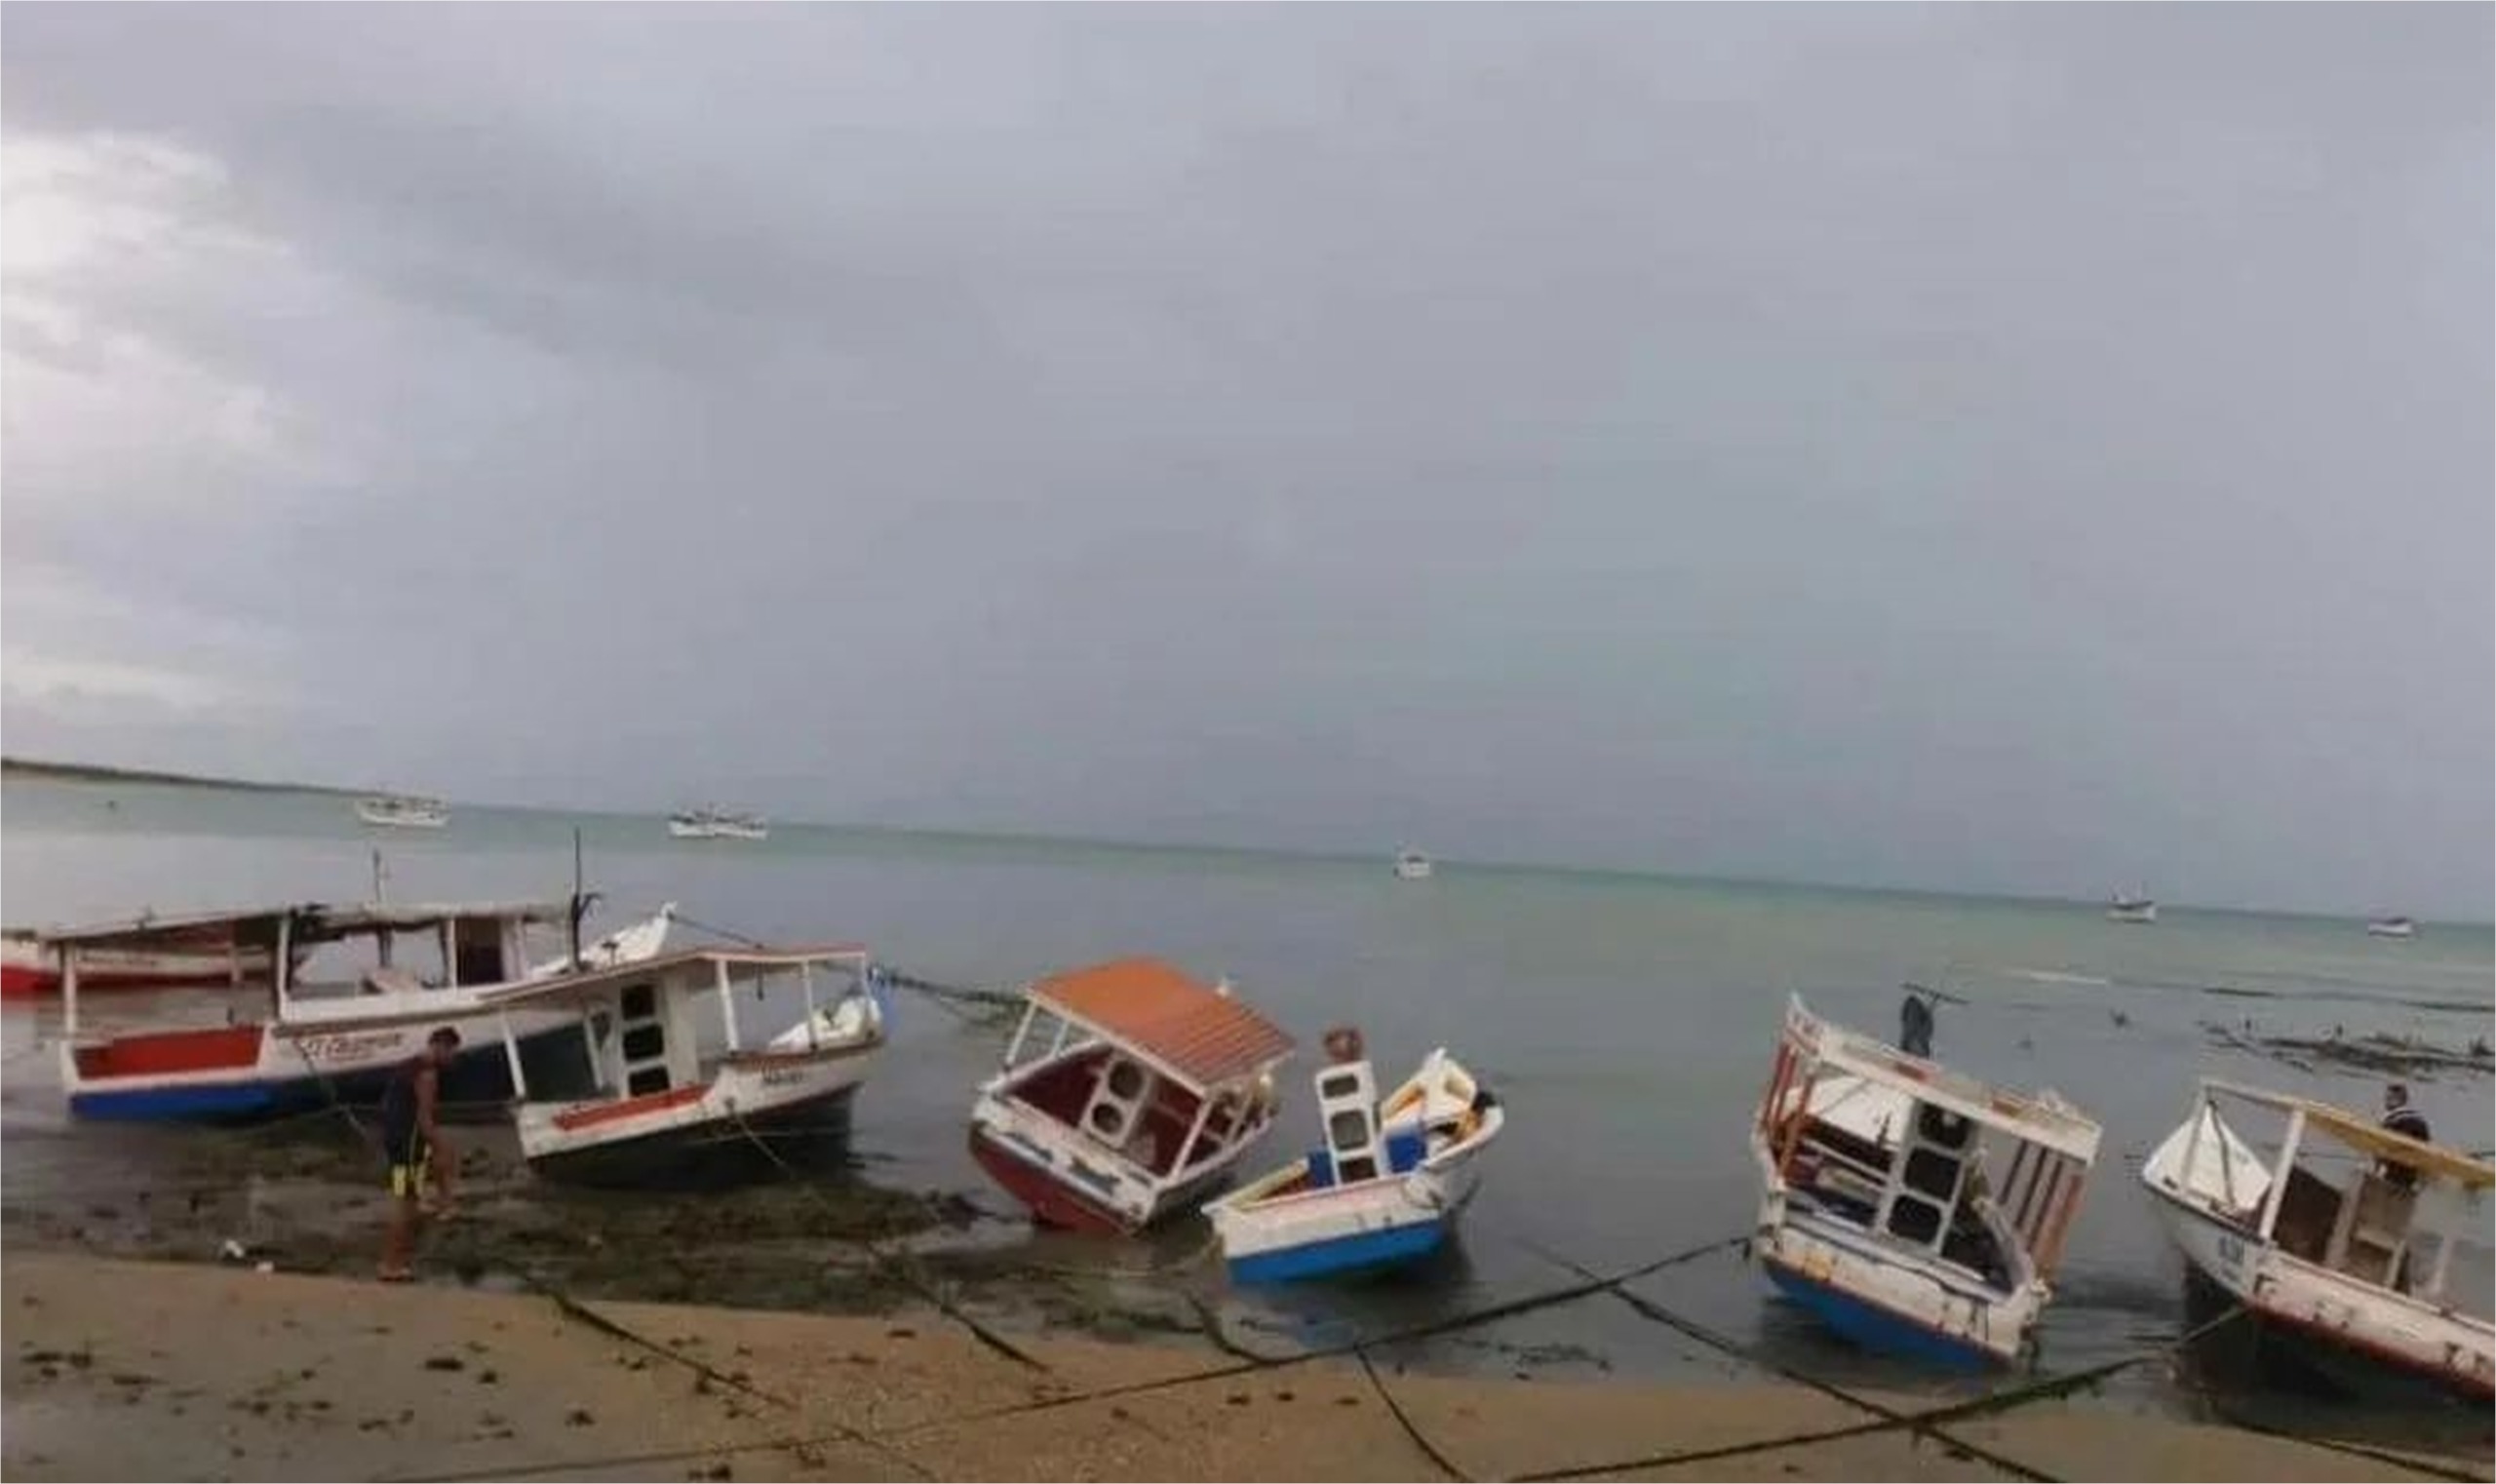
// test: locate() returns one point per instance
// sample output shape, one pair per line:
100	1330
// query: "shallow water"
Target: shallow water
1627	1021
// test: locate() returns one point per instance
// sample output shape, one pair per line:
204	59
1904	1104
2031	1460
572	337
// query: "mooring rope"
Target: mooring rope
900	1266
1726	1344
1988	1405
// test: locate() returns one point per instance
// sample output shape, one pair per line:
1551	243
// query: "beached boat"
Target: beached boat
28	969
677	1073
402	811
2343	1265
323	1038
715	823
1909	1208
1381	1192
2391	927
1413	866
1129	1092
2131	906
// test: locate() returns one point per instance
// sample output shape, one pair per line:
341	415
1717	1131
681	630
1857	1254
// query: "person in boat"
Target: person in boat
2401	1118
1915	1026
419	1163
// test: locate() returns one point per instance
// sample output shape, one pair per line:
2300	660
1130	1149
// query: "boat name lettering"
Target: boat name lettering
348	1044
785	1078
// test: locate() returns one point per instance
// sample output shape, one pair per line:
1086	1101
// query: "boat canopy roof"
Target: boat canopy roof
1189	1029
2363	1134
693	968
2041	1119
314	923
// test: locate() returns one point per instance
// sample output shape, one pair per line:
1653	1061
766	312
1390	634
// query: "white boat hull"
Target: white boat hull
1893	1303
2365	1325
389	815
1314	1232
748	1094
322	1047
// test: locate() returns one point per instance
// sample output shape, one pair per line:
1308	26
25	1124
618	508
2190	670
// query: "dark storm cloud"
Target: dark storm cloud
2024	448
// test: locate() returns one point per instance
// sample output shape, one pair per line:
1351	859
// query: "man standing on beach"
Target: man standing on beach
410	1143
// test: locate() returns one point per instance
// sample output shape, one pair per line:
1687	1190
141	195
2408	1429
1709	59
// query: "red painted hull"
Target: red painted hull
26	972
1050	1203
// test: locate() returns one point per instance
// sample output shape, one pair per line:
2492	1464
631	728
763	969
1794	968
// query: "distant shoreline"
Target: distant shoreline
96	773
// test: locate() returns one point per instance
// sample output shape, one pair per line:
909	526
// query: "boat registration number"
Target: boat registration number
350	1045
783	1079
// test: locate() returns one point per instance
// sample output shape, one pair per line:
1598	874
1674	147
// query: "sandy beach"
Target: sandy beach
141	1369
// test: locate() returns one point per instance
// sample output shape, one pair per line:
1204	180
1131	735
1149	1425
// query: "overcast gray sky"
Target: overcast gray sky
2002	447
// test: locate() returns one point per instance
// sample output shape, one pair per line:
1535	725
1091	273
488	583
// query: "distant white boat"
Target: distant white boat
712	822
1413	866
2391	927
402	811
2131	907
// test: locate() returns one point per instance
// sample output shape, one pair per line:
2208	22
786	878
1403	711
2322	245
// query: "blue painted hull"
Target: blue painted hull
557	1065
1361	1252
1873	1327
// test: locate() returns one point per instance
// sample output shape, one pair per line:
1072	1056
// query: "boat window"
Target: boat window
1341	1084
1916	1220
1108	1119
1126	1080
478	945
1348	1129
1941	1126
648	1080
639	1001
643	1041
1353	1171
1934	1172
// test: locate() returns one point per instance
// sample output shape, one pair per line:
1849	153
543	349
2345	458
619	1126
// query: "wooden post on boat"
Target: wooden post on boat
381	896
727	1002
806	982
281	968
510	1056
2280	1177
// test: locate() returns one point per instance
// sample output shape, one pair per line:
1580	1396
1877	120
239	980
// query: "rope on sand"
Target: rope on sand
1915	1422
1706	1335
1395	1410
900	1266
1252	1363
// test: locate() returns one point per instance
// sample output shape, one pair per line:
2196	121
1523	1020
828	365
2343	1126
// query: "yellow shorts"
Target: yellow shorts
410	1180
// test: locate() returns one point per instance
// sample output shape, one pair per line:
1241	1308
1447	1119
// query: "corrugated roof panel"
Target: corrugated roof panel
1185	1024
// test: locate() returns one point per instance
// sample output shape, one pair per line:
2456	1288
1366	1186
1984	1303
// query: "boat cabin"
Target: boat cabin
661	1025
2339	1191
1925	1162
677	1043
1124	1088
317	951
1120	1095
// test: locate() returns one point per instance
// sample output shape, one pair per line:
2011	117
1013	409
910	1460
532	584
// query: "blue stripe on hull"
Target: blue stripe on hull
1873	1327
228	1102
1384	1248
554	1060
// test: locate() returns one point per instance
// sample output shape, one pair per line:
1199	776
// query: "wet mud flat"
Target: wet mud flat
812	1230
